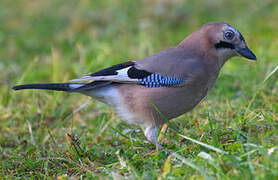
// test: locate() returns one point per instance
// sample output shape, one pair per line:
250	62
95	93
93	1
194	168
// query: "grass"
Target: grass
232	134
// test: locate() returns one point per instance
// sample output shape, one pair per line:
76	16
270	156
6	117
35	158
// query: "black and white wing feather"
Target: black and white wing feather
128	73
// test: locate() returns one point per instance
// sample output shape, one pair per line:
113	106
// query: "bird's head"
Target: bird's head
228	41
218	39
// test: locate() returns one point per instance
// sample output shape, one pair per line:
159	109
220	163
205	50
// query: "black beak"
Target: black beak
246	52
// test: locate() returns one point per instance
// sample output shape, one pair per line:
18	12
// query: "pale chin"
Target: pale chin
225	54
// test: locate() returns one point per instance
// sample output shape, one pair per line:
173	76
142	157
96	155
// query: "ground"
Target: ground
231	134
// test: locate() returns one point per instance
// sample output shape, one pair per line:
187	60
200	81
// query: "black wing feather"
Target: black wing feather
132	72
113	69
135	73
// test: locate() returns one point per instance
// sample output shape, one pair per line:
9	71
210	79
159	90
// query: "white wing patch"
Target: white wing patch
123	72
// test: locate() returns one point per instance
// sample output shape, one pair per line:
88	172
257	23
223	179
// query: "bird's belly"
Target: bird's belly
140	105
147	104
179	101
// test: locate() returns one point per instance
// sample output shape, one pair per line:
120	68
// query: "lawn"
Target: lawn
231	134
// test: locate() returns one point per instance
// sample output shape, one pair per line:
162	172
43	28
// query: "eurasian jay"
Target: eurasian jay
164	85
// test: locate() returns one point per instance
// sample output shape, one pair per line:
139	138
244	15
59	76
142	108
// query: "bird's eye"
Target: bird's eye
229	35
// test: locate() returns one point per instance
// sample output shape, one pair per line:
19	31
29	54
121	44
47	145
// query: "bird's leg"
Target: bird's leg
151	134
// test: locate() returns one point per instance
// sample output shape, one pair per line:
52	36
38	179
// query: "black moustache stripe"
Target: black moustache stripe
223	44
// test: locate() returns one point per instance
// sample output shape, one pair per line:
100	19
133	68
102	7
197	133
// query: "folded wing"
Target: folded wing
128	73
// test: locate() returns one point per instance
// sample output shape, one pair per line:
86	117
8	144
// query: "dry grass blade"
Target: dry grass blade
31	132
75	142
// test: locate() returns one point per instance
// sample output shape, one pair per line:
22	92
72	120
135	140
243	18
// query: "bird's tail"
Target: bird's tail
50	86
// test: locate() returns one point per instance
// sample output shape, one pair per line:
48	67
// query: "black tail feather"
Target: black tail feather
69	87
50	86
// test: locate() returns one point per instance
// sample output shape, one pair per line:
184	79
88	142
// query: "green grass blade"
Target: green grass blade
192	165
259	89
203	144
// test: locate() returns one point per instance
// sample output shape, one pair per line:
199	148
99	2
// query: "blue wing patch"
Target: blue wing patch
157	80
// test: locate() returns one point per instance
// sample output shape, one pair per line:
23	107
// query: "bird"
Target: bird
164	85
